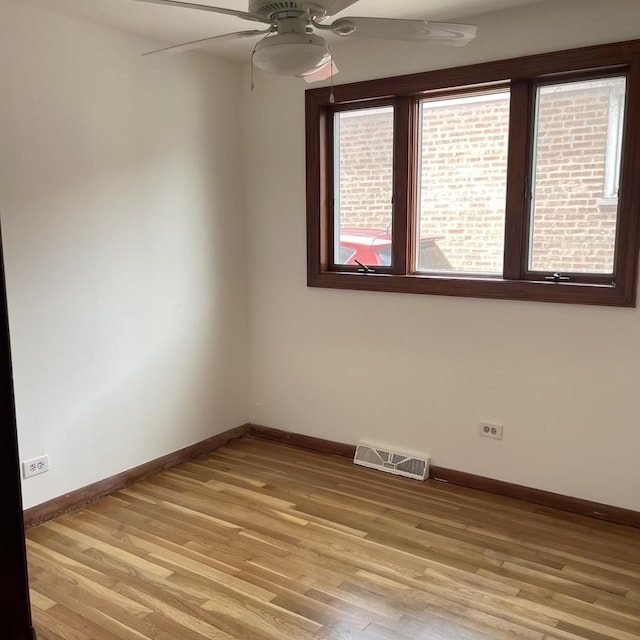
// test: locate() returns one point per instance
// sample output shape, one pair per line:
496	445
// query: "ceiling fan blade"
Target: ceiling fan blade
329	69
195	44
335	6
446	33
205	7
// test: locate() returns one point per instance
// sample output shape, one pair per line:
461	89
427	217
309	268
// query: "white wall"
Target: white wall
122	214
122	187
418	372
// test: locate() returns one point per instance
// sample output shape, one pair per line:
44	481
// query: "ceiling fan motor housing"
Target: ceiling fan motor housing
270	9
293	49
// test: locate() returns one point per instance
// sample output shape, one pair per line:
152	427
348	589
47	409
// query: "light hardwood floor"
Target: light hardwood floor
263	541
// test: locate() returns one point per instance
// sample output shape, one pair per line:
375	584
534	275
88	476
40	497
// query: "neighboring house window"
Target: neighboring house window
615	130
510	179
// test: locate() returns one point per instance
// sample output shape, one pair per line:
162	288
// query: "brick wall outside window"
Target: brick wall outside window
463	179
463	176
366	168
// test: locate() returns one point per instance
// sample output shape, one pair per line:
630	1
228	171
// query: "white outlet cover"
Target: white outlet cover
490	430
35	466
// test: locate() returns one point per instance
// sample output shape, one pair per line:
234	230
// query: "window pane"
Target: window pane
463	178
576	175
363	178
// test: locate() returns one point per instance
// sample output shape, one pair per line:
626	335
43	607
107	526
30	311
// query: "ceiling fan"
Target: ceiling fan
289	45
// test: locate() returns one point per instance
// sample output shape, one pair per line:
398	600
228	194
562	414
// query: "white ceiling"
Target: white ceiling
174	25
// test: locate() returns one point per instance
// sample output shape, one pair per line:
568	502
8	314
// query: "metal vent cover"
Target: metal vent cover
396	462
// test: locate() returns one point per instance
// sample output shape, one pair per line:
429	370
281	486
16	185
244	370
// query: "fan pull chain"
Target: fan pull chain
253	86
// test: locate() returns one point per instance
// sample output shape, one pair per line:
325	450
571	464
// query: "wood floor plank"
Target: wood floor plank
62	624
264	541
41	601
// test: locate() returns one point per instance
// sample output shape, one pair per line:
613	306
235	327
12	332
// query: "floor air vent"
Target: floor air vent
401	464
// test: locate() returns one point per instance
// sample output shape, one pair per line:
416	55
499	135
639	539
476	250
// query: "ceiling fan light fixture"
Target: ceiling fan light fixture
291	54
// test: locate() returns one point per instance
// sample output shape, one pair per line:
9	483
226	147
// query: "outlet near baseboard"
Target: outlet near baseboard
35	466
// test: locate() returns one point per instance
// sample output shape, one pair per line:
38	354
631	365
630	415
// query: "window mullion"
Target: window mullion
404	168
327	190
518	180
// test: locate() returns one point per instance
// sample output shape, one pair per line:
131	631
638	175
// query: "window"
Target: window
363	170
462	173
568	233
509	179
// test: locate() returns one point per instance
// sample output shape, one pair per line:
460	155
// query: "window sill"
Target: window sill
566	292
608	204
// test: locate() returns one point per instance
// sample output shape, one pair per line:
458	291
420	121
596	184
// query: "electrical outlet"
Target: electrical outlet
490	430
35	466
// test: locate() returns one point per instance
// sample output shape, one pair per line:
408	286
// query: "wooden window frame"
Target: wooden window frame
522	76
